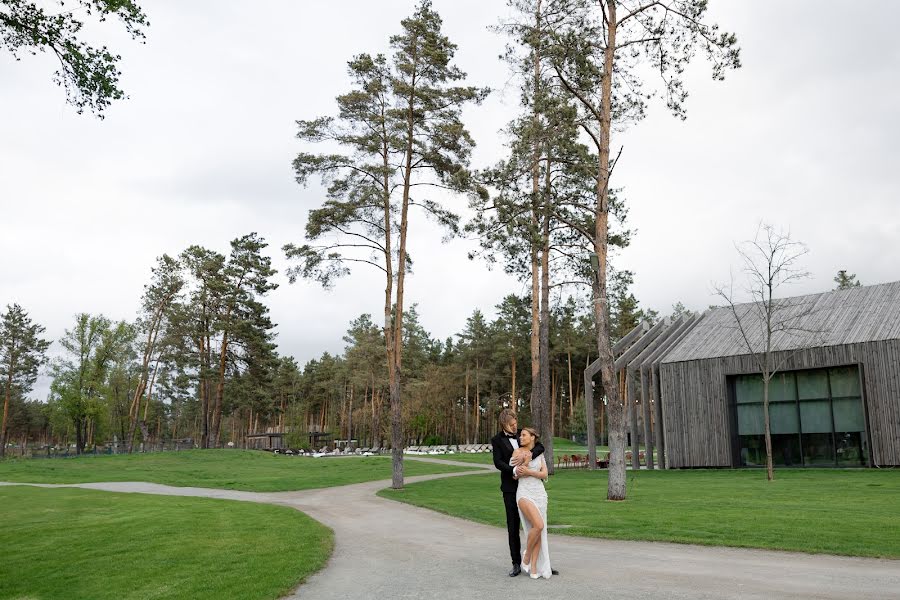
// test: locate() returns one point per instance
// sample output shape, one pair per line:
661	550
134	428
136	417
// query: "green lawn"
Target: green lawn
73	543
229	469
570	447
851	512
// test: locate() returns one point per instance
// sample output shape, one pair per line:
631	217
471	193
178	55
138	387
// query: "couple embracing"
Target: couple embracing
519	456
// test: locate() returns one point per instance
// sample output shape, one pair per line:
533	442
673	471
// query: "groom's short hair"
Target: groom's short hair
507	415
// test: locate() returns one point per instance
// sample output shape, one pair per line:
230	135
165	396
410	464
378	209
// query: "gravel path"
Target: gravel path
386	549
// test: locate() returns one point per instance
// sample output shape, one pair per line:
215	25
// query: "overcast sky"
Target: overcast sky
804	136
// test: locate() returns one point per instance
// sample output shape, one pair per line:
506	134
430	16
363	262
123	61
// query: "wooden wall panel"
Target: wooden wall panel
697	419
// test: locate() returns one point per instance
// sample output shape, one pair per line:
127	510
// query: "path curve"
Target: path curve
387	549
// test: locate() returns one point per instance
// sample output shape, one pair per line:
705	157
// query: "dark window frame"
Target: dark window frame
731	395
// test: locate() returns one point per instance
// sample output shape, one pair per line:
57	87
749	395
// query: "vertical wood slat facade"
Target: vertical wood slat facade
696	411
852	327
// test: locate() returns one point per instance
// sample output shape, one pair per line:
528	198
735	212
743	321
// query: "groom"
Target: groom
503	445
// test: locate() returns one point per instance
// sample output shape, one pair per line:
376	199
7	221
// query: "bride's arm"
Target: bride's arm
519	467
539	473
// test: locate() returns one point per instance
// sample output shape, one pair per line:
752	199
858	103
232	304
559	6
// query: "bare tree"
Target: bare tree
770	261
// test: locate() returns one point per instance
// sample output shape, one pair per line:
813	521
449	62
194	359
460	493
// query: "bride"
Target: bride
531	497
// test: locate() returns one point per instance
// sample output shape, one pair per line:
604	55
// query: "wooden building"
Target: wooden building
637	362
269	440
835	400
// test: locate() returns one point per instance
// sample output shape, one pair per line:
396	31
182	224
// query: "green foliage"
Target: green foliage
626	313
92	347
22	352
89	74
296	439
846	280
680	311
398	126
813	510
664	35
162	547
578	421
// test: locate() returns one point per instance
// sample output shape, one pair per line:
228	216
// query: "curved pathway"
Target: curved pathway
386	549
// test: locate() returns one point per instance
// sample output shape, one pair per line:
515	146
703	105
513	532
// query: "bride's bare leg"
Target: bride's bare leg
536	526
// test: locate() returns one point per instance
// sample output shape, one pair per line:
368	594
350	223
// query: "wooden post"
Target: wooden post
645	404
660	437
632	414
649	366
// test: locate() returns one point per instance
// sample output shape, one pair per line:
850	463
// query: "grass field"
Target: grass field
73	543
851	512
229	469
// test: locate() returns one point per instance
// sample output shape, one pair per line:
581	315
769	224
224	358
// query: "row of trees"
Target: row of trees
202	347
583	67
454	388
199	363
547	209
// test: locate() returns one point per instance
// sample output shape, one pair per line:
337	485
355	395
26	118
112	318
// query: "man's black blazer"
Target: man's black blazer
503	451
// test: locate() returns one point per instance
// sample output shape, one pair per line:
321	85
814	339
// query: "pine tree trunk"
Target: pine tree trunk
142	423
220	391
350	418
616	485
149	346
376	420
512	386
536	384
544	419
396	433
203	388
466	408
6	398
571	390
133	413
477	407
554	395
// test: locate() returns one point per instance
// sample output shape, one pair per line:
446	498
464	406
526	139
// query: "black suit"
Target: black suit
503	450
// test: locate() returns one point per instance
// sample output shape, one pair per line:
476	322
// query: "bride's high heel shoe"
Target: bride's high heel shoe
526	567
534	575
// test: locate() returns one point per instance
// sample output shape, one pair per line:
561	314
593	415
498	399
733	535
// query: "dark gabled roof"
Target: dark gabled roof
861	314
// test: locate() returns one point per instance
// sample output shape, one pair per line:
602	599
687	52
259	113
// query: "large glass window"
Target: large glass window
816	418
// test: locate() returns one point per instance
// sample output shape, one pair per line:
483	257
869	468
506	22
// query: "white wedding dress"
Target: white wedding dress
532	488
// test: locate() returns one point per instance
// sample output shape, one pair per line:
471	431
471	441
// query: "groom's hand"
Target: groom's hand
521	459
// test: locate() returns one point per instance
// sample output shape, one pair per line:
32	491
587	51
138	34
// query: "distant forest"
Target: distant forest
200	363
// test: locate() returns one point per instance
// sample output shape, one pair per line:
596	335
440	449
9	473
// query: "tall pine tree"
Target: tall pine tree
22	352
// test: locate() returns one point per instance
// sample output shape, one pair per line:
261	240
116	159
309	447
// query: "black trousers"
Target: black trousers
512	526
